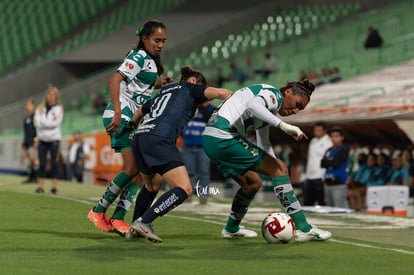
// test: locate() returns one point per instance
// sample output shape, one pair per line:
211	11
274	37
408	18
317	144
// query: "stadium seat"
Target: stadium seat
29	30
288	25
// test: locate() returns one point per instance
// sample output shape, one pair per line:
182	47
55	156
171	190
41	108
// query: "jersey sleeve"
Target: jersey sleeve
255	107
271	99
131	66
197	92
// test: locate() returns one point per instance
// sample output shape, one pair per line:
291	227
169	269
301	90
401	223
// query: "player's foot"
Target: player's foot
314	234
119	226
53	191
146	231
132	234
100	221
242	232
40	190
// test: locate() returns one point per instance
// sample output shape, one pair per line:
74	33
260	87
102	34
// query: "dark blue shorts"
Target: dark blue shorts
155	154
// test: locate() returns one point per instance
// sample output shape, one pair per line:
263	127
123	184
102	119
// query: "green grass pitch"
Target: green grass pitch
45	234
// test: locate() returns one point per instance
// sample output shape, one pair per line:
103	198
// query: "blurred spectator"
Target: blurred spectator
396	174
335	161
313	190
411	181
407	163
47	120
363	178
302	75
328	75
325	73
383	167
314	78
196	160
220	79
360	159
237	73
335	75
374	39
249	71
270	66
29	131
78	151
408	169
99	104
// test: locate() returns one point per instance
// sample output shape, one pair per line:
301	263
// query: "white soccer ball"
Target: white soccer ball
278	227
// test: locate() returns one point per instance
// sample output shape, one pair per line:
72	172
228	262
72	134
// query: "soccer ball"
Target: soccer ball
278	227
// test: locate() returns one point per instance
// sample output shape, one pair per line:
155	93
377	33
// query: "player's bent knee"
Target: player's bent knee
252	188
131	171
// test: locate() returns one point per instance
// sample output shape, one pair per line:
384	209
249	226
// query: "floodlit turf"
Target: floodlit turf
45	234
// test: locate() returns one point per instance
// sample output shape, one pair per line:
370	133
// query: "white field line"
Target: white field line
331	240
397	250
373	246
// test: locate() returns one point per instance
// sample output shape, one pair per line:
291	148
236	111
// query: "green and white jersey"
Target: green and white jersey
232	118
140	72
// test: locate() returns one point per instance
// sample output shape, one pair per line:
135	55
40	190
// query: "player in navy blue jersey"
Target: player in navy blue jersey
155	150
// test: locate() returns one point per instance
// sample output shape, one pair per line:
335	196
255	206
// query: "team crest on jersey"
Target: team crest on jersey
273	98
129	65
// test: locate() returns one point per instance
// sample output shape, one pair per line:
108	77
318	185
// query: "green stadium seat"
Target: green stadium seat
27	24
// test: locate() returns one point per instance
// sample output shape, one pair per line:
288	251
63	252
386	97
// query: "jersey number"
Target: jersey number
158	107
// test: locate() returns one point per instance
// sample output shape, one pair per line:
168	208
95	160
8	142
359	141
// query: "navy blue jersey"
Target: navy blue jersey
171	109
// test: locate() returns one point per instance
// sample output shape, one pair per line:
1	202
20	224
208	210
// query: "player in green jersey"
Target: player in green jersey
250	109
130	87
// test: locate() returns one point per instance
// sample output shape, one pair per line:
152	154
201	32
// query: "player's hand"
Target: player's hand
292	130
113	127
162	81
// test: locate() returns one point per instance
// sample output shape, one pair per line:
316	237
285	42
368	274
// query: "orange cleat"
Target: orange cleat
100	221
119	226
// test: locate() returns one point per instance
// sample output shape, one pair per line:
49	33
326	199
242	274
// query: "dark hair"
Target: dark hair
187	72
385	156
373	155
302	88
147	30
320	124
336	129
362	158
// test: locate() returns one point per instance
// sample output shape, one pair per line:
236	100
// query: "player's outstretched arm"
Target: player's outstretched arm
219	93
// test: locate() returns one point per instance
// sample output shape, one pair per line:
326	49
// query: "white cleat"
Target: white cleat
242	232
132	234
145	230
314	234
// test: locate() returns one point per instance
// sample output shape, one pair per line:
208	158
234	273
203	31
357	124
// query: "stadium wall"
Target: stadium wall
102	163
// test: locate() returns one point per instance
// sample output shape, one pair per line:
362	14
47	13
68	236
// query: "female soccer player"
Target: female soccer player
155	150
130	87
249	109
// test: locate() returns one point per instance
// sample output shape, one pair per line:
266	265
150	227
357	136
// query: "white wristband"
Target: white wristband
291	130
